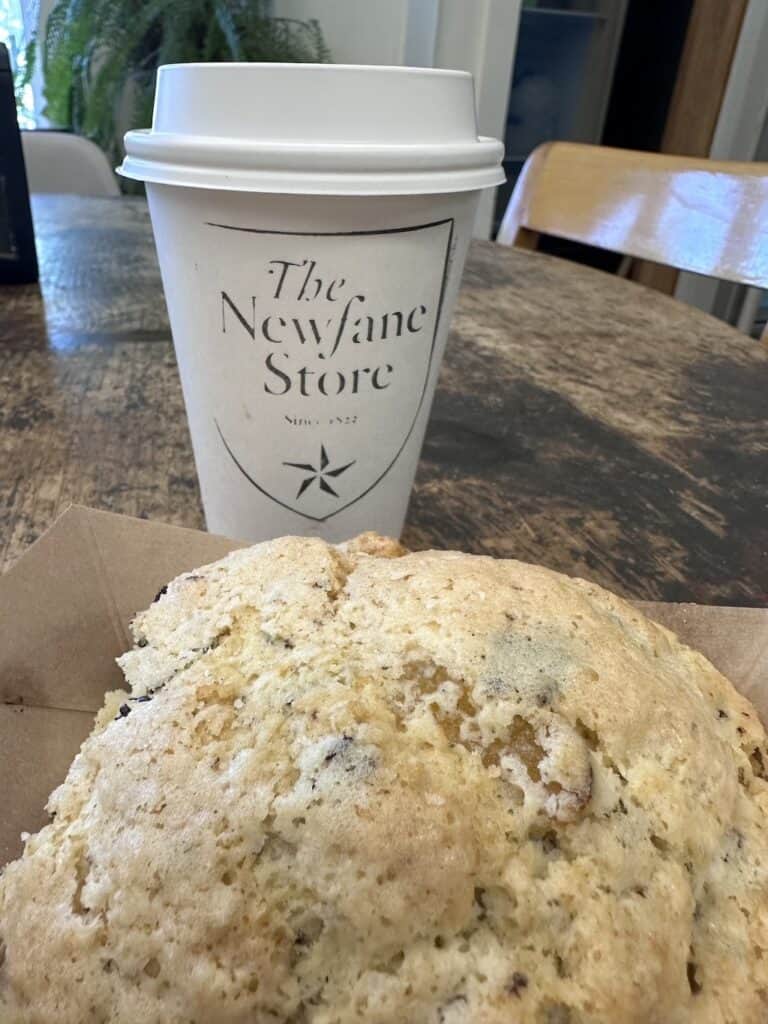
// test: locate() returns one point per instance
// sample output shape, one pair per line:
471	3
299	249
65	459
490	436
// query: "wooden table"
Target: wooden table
581	421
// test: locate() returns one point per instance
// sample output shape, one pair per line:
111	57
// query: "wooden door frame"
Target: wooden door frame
481	37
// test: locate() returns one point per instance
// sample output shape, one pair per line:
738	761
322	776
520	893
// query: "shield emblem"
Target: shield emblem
328	345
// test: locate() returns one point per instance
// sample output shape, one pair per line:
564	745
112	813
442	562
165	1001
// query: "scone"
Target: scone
351	784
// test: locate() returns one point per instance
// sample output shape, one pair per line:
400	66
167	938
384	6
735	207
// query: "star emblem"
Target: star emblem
320	474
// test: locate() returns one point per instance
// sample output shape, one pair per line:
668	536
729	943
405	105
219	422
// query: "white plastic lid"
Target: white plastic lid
317	129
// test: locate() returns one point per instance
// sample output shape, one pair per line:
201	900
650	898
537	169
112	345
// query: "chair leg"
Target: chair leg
750	304
526	239
624	266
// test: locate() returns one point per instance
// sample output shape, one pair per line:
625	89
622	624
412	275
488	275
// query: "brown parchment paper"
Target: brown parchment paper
65	607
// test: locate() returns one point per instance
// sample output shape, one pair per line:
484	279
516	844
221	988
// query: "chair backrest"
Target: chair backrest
706	216
61	162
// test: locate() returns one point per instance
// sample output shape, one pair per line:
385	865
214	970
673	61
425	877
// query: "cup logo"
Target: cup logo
326	343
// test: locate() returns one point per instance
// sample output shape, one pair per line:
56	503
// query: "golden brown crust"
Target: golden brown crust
374	544
433	787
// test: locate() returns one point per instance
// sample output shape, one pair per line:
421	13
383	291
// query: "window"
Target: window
14	35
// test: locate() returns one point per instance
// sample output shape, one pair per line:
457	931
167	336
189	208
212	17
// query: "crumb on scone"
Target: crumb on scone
354	784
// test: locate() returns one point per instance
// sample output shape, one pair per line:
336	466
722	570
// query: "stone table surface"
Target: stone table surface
581	421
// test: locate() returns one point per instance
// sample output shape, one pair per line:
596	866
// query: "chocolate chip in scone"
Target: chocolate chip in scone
517	983
341	746
757	761
479	900
693	979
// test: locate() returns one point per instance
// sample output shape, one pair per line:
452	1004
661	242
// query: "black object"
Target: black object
647	66
18	260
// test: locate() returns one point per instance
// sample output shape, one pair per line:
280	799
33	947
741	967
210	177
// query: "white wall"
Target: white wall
481	38
356	31
473	35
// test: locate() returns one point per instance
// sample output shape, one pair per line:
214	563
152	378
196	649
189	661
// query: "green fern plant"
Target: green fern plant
99	57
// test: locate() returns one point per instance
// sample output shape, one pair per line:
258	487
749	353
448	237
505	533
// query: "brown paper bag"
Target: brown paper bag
64	613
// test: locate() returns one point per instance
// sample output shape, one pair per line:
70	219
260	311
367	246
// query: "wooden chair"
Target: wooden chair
706	216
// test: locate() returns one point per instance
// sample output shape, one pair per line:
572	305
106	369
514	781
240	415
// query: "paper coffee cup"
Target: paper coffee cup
311	223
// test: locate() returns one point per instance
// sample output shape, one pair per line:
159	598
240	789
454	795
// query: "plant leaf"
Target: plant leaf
99	58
